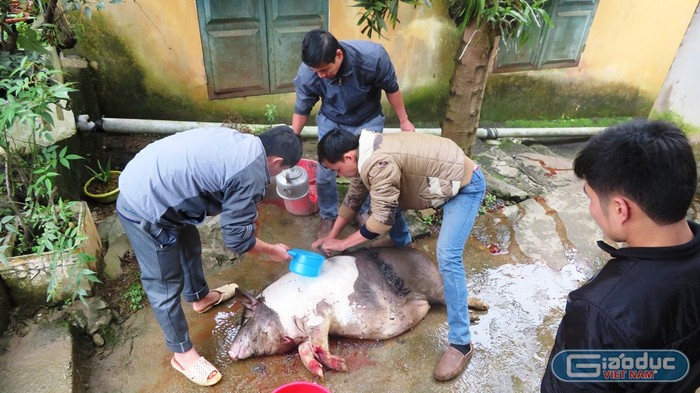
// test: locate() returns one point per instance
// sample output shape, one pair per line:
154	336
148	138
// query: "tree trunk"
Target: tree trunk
472	67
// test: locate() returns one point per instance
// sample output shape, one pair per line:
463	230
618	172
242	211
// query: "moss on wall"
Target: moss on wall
522	96
123	92
676	119
425	106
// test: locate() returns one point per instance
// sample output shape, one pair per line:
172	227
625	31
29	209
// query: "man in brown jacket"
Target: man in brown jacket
411	171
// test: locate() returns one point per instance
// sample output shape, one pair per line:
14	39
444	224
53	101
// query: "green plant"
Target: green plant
103	174
482	23
487	204
135	295
41	220
270	113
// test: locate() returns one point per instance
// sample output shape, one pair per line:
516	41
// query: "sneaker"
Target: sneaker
324	227
452	363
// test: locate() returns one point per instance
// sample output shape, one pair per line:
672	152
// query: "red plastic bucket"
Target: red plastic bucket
301	387
308	204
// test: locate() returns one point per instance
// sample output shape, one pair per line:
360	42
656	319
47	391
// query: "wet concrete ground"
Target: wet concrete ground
523	260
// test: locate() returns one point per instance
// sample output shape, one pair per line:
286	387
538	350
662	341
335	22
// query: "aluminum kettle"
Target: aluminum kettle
292	183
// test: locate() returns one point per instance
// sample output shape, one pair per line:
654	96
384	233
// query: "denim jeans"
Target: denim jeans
458	218
399	232
326	185
171	265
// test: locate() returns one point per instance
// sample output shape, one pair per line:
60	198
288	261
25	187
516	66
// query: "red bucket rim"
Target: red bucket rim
317	387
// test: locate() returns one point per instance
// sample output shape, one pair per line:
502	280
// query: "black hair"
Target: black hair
335	144
650	162
319	47
281	141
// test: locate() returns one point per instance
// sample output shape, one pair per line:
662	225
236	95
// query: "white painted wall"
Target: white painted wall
680	93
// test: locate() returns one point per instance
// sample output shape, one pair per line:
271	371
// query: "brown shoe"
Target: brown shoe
452	363
324	227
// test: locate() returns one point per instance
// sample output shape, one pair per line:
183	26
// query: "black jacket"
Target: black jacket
643	298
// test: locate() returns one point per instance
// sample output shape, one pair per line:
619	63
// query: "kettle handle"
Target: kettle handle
293	253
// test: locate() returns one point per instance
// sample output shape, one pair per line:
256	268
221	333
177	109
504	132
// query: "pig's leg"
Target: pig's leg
306	353
318	337
477	304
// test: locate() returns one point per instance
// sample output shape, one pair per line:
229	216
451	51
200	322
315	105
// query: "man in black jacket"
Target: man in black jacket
640	178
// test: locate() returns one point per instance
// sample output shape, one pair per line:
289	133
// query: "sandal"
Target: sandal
227	291
199	372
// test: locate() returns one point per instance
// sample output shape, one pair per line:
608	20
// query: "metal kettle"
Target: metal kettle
292	183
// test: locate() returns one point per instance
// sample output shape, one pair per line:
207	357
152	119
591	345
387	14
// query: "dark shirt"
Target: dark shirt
643	298
353	97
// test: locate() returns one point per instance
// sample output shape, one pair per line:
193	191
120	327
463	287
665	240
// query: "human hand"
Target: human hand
278	252
406	125
331	245
318	243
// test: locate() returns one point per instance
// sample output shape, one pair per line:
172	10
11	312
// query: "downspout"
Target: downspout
143	126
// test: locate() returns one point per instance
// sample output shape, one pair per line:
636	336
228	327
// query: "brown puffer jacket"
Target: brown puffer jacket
405	170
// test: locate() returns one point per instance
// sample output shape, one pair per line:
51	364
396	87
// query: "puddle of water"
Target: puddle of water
512	339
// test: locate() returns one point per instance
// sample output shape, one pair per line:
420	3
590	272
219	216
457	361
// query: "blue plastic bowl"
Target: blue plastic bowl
305	263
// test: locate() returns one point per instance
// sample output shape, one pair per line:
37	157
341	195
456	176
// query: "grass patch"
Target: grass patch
566	122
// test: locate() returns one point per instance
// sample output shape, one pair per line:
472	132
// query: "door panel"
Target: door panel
288	21
549	47
521	56
565	43
253	47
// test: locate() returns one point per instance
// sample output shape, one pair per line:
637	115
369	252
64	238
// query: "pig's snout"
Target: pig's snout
239	352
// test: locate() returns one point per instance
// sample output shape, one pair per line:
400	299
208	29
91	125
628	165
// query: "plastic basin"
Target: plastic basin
305	263
301	387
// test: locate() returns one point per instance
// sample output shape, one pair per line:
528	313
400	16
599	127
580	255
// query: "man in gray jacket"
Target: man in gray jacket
174	184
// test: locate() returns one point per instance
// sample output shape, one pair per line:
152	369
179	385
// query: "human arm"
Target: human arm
384	177
355	196
329	244
331	238
298	122
387	81
306	98
396	101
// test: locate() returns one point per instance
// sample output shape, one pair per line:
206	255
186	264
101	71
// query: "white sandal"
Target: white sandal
227	292
199	372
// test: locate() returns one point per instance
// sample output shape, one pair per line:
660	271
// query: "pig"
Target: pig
372	294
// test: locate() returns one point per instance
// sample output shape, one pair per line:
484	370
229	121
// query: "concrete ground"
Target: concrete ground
523	259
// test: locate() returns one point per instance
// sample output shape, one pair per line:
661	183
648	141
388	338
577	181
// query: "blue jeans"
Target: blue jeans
326	185
399	232
458	218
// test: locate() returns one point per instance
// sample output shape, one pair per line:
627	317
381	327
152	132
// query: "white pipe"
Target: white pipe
142	126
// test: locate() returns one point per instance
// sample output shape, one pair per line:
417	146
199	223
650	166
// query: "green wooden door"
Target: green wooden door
550	47
253	47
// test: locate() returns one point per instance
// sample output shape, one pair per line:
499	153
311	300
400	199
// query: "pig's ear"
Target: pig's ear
247	300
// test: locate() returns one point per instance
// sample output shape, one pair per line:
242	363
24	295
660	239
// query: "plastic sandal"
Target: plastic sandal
227	291
199	372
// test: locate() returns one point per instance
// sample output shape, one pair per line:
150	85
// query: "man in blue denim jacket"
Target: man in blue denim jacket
348	77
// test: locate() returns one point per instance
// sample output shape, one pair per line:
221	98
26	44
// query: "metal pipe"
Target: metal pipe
143	126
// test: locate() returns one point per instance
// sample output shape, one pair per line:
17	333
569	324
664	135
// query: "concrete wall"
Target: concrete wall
680	94
147	61
630	47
